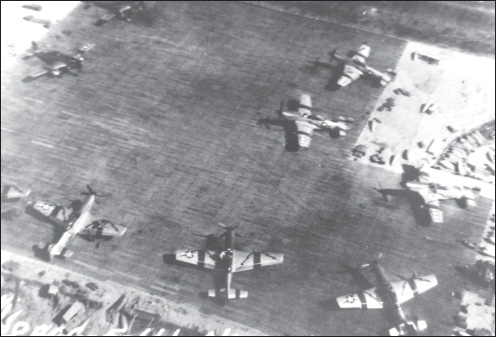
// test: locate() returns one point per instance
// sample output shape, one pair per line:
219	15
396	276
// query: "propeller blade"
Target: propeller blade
222	225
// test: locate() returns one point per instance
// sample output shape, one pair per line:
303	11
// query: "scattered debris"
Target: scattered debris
403	92
45	23
115	308
469	244
429	108
388	105
92	286
377	159
33	7
372	125
359	151
426	58
451	129
11	265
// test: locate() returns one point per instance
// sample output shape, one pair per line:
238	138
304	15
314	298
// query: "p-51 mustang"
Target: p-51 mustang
58	63
390	295
356	66
432	193
77	220
229	261
124	10
306	123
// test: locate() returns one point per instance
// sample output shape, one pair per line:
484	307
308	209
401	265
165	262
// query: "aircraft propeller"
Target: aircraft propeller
412	278
92	192
229	228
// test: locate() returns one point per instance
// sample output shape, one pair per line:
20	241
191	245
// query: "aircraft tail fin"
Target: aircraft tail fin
230	294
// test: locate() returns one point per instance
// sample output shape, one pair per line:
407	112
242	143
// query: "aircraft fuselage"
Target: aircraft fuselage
387	292
78	219
362	67
314	120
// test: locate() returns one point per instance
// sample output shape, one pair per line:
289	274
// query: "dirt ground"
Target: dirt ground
37	311
462	85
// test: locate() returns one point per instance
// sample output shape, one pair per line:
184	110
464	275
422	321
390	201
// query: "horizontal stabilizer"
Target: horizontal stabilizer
60	251
436	214
232	294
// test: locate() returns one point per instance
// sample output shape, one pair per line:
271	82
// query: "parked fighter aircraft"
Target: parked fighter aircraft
356	66
229	261
389	296
124	10
424	192
58	63
10	192
77	220
432	193
306	122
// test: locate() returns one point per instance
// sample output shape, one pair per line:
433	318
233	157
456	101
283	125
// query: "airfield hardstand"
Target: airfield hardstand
163	122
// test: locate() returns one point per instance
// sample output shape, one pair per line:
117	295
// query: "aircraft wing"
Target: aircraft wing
254	260
408	289
39	74
304	131
58	213
202	258
305	107
432	202
350	74
368	299
362	53
113	230
14	192
59	65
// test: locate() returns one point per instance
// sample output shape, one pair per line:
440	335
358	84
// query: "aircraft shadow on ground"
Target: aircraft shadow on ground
332	83
41	252
291	137
417	203
11	214
313	68
219	282
58	230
